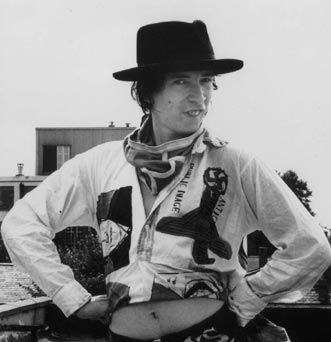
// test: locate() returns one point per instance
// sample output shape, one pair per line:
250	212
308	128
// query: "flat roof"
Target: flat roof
23	178
84	128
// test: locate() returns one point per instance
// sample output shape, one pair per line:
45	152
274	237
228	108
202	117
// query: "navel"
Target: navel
154	315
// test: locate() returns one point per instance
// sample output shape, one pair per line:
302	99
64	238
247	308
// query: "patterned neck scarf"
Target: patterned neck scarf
157	165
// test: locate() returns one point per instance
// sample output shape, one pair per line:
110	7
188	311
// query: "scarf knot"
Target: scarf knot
157	165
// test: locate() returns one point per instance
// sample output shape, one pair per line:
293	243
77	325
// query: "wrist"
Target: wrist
76	313
71	297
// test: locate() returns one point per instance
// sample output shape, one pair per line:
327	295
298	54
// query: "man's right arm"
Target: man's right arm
64	199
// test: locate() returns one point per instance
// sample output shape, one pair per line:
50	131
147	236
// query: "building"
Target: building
54	146
14	188
11	190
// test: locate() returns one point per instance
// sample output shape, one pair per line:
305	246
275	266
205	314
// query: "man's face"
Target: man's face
181	104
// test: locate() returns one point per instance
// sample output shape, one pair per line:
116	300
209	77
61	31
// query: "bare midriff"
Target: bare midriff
151	320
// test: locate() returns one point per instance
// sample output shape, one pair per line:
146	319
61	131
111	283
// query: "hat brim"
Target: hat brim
216	66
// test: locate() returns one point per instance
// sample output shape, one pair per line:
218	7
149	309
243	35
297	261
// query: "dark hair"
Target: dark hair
143	90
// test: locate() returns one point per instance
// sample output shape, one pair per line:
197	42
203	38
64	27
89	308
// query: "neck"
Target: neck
161	137
149	133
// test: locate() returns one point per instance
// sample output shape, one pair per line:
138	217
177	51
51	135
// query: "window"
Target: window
54	157
49	159
6	197
24	189
63	154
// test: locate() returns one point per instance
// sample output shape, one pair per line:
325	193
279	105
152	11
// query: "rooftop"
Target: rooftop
15	285
109	128
28	315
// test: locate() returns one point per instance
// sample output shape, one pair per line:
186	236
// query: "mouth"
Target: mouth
195	112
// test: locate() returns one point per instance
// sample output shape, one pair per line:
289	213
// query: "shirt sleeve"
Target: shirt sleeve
302	250
62	200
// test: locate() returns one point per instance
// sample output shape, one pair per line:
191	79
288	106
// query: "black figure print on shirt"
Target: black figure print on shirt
199	224
114	214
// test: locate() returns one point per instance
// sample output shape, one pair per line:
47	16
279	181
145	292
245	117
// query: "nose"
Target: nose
196	94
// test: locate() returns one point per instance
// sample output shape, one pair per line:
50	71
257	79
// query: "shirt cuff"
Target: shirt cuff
71	297
245	303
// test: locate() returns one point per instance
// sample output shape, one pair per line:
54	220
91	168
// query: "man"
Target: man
171	205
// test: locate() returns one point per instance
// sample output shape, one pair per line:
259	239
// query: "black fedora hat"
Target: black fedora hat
176	46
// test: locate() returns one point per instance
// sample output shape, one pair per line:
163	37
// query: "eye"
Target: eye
179	81
207	79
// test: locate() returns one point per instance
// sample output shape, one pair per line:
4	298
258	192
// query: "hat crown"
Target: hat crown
173	41
174	46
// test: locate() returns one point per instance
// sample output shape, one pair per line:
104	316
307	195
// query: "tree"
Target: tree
299	187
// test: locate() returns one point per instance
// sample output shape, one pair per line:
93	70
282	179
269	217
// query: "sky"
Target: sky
57	58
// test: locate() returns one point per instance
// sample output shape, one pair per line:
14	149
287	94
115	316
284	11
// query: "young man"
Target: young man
171	205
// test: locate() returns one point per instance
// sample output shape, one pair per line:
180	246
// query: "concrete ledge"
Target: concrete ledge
15	336
299	306
29	312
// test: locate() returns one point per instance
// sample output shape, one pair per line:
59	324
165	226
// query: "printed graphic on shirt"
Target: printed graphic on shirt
114	214
177	285
209	334
216	181
199	223
182	188
202	288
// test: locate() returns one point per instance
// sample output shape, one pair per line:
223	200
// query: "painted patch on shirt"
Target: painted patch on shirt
210	334
182	188
114	214
203	288
216	181
199	224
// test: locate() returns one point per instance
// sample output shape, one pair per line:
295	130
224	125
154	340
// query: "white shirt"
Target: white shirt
100	189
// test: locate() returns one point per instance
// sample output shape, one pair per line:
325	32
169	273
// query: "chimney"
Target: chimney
20	169
111	124
127	124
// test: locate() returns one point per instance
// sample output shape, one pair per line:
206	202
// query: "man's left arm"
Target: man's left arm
302	250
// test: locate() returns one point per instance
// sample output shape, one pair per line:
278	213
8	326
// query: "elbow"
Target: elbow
11	224
324	250
327	252
6	235
5	228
